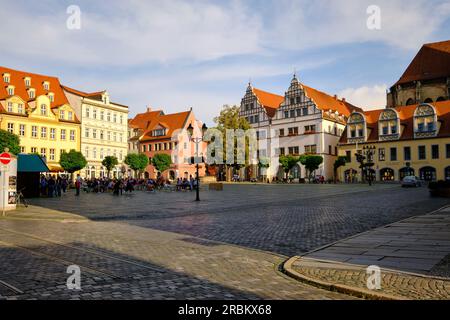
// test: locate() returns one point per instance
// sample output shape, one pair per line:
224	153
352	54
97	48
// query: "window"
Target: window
20	108
10	127
256	118
31	94
381	154
291	101
114	117
94	113
159	132
447	151
297	99
63	134
422	153
86	152
101	153
34	130
121	137
360	132
6	78
22	149
69	115
94	133
94	153
87	113
101	134
52	154
292	114
43	133
311	149
21	130
33	150
394	129
11	91
305	111
293	150
43	110
102	115
109	135
329	149
61	114
420	127
86	132
407	153
435	151
149	147
27	82
46	85
393	154
43	152
286	114
121	119
310	129
385	130
10	107
282	151
299	112
51	97
430	126
114	136
281	133
72	135
353	133
120	156
108	117
293	131
348	155
144	148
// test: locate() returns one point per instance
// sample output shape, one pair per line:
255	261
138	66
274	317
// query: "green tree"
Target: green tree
287	162
229	119
109	163
72	161
161	162
311	163
339	162
137	162
10	141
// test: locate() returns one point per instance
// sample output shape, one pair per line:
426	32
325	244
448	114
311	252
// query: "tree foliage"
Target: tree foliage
311	163
161	161
72	161
10	141
288	162
109	162
137	162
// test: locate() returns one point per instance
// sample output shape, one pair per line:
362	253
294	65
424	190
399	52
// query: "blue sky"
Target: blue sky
175	54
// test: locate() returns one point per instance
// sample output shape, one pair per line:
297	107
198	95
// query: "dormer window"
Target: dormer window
356	127
10	90
159	132
46	85
69	116
6	77
27	81
61	114
10	107
388	123
425	120
105	98
31	93
51	96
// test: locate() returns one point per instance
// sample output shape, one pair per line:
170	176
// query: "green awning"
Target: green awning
31	163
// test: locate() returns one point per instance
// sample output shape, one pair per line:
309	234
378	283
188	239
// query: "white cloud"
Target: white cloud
366	97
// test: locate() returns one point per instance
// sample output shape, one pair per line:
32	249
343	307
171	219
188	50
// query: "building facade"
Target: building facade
427	78
104	130
303	121
167	133
401	141
35	108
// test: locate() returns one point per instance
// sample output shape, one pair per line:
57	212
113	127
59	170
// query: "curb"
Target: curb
352	291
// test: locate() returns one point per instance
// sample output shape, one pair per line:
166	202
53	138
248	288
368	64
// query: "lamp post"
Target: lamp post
197	141
370	151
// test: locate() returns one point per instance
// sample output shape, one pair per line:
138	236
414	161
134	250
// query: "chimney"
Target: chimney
343	99
149	108
335	96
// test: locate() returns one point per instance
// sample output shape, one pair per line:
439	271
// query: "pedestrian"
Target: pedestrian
51	187
58	186
78	185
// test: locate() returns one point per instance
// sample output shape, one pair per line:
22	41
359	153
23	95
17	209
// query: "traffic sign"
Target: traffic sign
5	158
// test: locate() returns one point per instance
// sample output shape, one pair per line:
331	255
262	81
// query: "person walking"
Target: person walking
58	186
51	187
78	185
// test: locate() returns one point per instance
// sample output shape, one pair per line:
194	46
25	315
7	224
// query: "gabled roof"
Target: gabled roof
326	102
270	101
93	95
171	122
406	115
431	62
142	120
17	80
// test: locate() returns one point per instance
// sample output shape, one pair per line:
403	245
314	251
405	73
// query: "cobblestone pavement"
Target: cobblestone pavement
285	219
166	246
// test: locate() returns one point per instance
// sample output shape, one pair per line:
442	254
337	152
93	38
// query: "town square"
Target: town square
236	161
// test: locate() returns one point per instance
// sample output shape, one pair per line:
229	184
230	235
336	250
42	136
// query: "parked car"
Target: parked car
411	181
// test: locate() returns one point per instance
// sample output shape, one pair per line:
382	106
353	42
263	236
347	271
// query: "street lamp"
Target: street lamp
370	151
197	141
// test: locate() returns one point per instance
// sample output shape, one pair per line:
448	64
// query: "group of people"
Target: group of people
53	186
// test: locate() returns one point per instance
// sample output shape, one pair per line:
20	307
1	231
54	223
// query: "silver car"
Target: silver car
411	181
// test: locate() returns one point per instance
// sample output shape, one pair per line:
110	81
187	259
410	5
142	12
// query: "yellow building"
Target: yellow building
401	141
35	108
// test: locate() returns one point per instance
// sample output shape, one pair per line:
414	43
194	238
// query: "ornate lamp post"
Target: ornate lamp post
197	141
370	151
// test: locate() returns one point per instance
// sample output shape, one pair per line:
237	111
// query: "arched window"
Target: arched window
428	100
425	121
427	173
43	110
388	125
406	171
409	102
387	174
440	99
447	173
356	126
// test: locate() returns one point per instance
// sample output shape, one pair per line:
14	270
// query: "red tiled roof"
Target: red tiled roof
406	114
83	94
431	62
142	120
270	101
17	80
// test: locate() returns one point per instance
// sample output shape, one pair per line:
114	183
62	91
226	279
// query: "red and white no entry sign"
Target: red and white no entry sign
5	158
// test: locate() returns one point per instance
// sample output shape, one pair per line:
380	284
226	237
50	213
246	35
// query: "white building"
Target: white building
303	121
104	130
